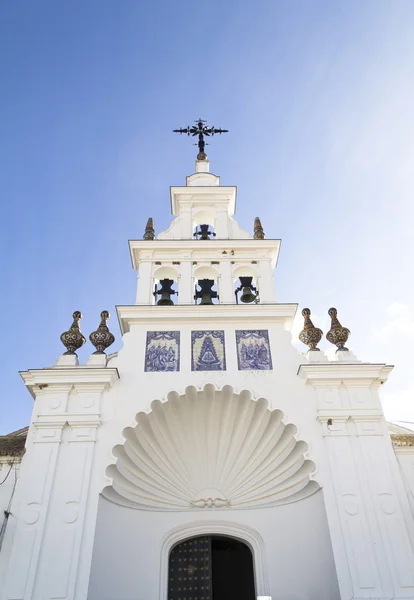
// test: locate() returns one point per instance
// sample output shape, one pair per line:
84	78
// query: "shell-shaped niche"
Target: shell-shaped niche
210	448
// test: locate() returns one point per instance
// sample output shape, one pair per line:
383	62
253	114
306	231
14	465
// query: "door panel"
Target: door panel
190	576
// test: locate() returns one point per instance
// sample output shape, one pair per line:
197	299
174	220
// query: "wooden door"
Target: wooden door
190	574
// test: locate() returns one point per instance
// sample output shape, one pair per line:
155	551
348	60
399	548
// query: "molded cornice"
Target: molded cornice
204	194
192	248
89	376
323	372
207	316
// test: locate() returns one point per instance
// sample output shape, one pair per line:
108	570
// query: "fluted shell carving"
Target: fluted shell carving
210	449
310	335
102	338
337	334
73	339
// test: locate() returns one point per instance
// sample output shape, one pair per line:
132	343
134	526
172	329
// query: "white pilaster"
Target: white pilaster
226	283
222	224
145	288
266	282
34	493
54	493
371	526
186	287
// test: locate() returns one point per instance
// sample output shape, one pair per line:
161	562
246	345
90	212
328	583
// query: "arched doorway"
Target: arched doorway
211	567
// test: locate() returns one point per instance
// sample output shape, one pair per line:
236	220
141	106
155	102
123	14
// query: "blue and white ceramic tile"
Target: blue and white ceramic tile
207	351
162	351
253	350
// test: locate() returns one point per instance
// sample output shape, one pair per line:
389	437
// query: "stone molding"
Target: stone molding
55	380
192	314
212	195
203	251
337	372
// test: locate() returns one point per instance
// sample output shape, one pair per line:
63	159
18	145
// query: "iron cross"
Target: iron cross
201	130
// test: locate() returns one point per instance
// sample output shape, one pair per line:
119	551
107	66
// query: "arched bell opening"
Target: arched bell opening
211	567
206	286
165	286
203	226
246	287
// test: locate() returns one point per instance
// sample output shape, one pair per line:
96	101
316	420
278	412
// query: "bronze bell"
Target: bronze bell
247	289
205	293
204	233
165	291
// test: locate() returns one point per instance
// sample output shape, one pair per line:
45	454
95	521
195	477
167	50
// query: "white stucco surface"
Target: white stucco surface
298	555
9	475
405	458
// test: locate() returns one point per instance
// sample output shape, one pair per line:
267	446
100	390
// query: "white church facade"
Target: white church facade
208	459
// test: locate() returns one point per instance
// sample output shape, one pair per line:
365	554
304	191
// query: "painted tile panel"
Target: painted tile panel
253	350
162	351
207	351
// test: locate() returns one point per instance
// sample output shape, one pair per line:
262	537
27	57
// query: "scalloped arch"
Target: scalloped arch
245	270
166	273
210	448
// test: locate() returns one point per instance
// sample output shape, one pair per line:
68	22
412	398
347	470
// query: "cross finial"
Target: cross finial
201	130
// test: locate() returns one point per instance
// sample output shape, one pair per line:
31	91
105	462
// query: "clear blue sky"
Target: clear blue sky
318	97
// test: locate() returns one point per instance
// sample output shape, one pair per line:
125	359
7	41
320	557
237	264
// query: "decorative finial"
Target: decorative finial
310	335
201	130
337	334
102	338
258	234
73	339
149	233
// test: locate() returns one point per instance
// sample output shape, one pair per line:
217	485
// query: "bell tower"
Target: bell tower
203	270
207	423
204	244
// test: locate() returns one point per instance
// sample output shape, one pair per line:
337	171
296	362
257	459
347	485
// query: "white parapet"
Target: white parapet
316	356
67	360
96	360
202	166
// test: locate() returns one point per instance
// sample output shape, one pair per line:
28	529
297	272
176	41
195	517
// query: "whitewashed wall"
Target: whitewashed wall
7	481
405	458
297	549
9	475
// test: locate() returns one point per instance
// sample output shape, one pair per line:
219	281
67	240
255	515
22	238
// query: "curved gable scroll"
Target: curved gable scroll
210	449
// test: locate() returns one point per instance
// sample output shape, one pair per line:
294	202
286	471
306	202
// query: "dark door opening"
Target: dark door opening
211	568
232	567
